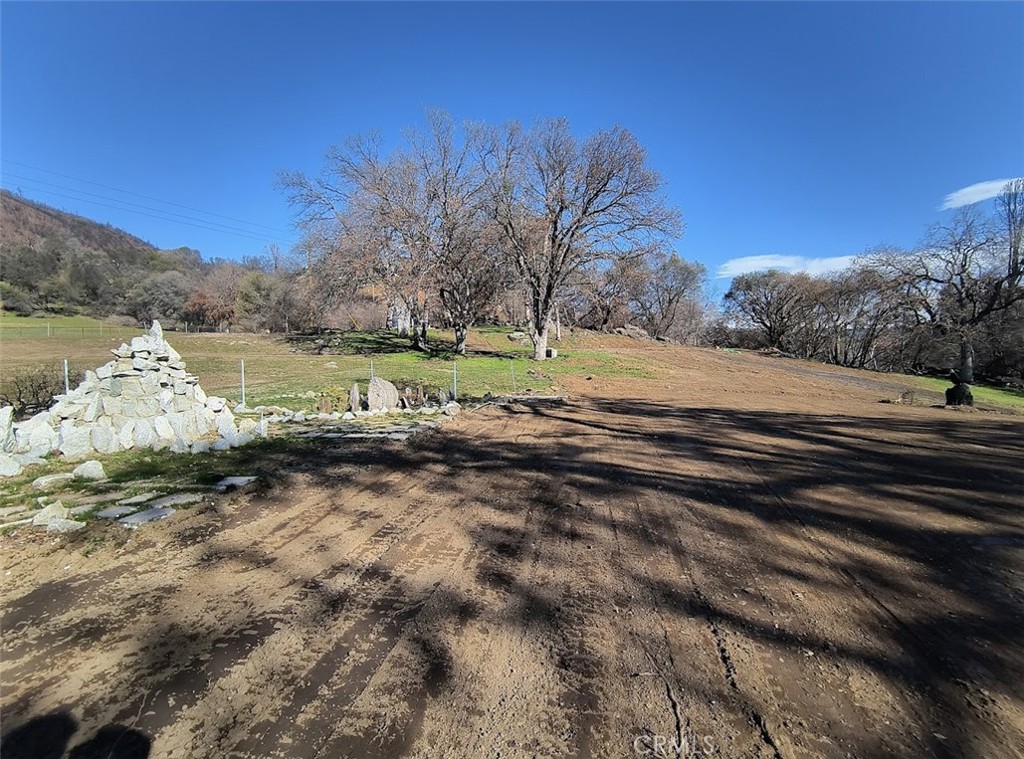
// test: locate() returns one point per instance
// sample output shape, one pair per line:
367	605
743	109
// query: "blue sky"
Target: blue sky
798	133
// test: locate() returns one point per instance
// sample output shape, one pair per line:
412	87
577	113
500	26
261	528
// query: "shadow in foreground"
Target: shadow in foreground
47	737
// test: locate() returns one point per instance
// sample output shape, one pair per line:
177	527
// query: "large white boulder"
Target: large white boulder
76	442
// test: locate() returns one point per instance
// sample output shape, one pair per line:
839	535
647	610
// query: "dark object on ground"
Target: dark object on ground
959	395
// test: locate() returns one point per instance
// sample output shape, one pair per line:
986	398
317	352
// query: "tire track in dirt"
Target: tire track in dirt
364	574
492	558
753	662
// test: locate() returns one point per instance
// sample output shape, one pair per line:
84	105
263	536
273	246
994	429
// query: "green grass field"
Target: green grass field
993	396
281	370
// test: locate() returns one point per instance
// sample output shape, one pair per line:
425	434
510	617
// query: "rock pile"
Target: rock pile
144	399
633	331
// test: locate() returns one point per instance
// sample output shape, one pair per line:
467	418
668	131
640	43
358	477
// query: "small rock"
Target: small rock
234	482
64	525
49	513
90	470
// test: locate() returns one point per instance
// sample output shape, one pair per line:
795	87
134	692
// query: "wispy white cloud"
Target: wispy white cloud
736	266
974	193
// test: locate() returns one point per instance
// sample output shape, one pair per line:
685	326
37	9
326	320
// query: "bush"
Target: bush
31	389
13	298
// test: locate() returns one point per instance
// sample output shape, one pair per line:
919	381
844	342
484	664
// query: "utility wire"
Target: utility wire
153	216
137	205
140	195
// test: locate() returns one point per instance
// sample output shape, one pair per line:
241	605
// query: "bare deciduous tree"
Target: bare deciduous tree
563	203
661	295
773	301
415	223
967	271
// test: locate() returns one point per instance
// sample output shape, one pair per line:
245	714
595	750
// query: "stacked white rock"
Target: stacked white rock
143	399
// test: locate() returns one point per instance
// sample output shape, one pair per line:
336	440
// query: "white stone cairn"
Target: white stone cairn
144	398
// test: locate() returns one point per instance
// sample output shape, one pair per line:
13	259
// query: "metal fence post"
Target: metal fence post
455	380
243	381
67	386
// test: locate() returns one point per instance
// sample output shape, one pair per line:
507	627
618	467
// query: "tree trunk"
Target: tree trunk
540	343
558	326
400	318
419	337
461	335
966	360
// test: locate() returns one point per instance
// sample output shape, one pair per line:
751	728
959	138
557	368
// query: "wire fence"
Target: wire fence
103	330
46	330
272	378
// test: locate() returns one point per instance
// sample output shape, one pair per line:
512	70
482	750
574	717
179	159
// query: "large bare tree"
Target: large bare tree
669	289
775	302
967	271
416	222
563	203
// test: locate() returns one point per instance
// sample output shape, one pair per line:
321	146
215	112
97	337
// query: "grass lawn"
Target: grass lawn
283	369
993	396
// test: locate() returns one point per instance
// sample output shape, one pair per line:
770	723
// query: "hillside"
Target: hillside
27	224
57	262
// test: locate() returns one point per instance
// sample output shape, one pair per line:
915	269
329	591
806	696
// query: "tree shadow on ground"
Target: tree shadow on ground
865	494
385	342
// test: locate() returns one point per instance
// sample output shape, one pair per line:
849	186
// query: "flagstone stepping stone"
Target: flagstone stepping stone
52	481
178	499
116	512
137	499
143	517
237	481
98	498
83	509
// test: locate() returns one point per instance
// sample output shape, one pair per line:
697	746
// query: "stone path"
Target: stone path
58	510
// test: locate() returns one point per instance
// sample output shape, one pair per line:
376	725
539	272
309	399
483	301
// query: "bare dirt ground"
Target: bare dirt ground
738	557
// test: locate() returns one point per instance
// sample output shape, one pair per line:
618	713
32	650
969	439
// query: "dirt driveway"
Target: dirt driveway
736	558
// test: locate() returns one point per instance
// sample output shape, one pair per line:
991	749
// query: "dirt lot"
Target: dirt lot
743	557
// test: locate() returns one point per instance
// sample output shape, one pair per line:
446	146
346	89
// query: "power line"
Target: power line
137	205
153	216
140	195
